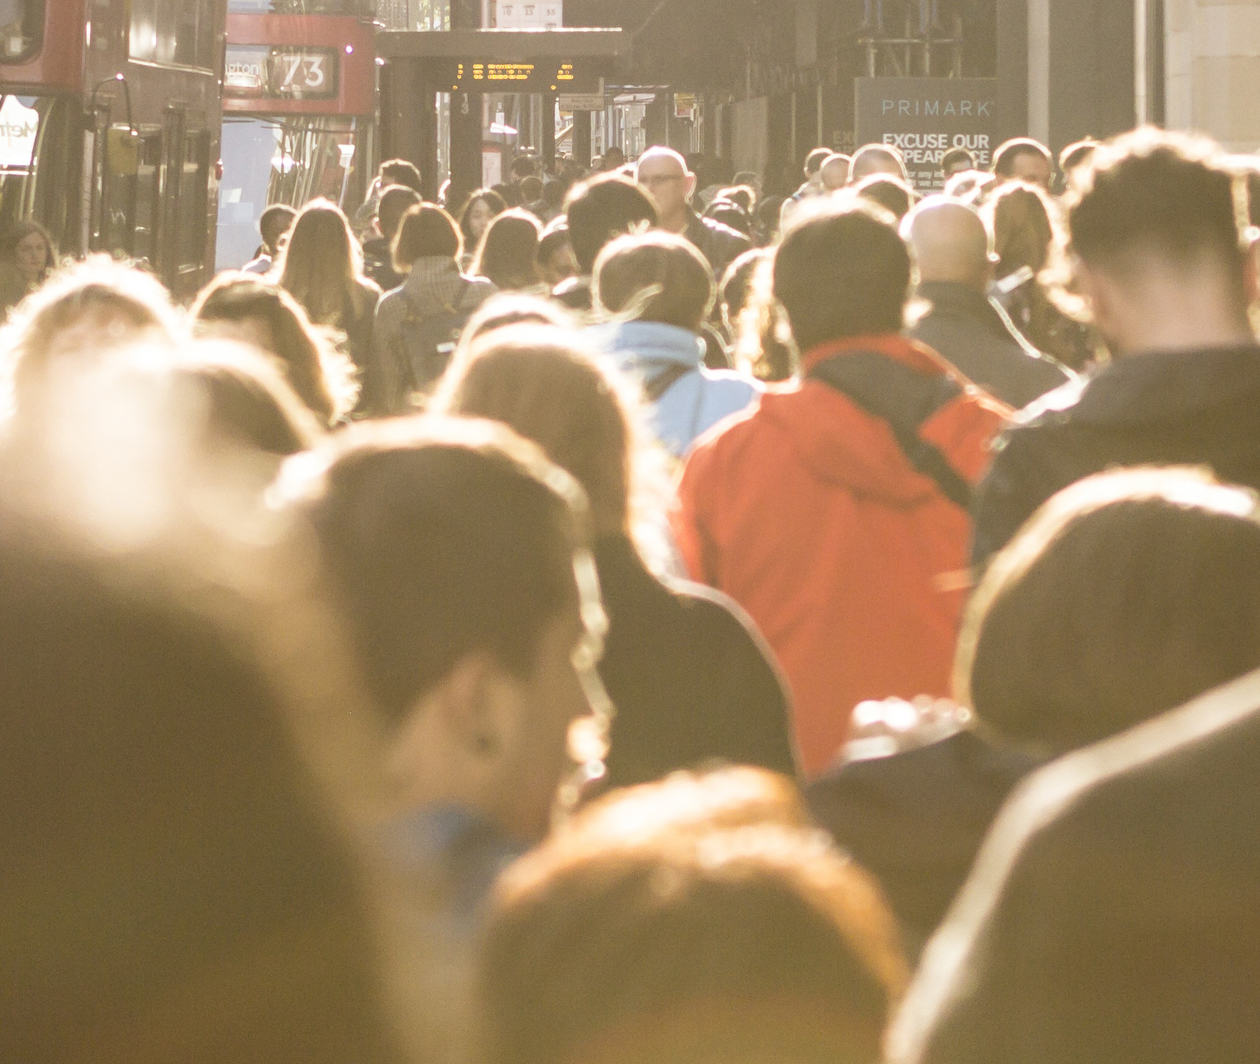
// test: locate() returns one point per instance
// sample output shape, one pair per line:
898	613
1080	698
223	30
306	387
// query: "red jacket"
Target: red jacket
807	512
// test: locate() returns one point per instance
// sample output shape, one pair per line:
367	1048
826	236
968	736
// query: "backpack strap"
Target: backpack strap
658	383
903	399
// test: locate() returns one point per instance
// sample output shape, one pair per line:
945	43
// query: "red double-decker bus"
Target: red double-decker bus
299	98
109	127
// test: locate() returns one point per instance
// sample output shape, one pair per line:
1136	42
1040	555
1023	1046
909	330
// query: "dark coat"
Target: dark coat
980	341
1161	407
718	243
690	678
915	819
1112	914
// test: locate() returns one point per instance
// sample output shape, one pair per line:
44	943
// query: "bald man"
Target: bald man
834	171
877	159
953	252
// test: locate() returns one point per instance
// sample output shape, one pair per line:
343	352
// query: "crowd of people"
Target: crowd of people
606	619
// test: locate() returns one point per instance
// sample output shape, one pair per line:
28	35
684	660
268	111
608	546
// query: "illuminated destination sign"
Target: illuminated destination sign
493	75
281	72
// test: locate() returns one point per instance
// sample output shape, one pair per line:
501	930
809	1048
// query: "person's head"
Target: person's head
613	158
399	172
513	308
531	188
477	212
970	186
710	939
274	222
654	276
244	401
542	383
457	555
1073	159
842	272
876	159
1021	218
321	260
743	195
176	888
392	205
82	314
601	208
1127	594
556	261
663	172
950	243
29	247
425	231
523	167
956	160
752	318
834	172
1024	159
730	214
246	307
508	253
812	167
891	193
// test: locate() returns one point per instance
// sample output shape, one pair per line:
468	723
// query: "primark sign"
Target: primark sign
924	118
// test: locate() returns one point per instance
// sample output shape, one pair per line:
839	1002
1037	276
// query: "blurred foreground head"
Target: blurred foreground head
691	920
1127	594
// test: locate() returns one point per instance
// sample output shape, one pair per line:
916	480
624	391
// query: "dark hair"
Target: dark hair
815	159
531	188
728	212
957	155
654	276
1023	230
393	204
241	297
1156	195
322	263
19	231
843	272
1076	154
676	944
400	172
273	223
891	193
1010	150
601	208
1127	594
425	230
175	888
441	538
508	253
491	199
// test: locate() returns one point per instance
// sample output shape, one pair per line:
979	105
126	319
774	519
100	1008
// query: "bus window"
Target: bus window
358	8
174	33
21	29
282	159
131	196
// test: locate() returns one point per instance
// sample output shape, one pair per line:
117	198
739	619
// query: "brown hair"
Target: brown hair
654	276
425	230
321	261
508	252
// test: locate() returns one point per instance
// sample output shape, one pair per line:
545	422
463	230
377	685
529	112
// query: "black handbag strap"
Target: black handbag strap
903	399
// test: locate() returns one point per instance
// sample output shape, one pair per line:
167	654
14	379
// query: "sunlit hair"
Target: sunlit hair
889	192
514	308
970	186
752	938
654	276
321	261
1023	224
601	208
82	312
508	252
546	385
1126	594
425	231
440	537
1008	151
1152	196
876	159
247	402
752	316
321	377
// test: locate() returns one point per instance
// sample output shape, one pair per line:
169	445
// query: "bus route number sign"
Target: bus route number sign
281	72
